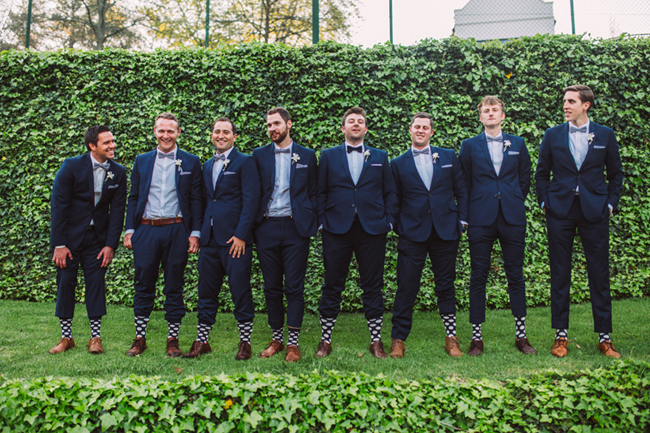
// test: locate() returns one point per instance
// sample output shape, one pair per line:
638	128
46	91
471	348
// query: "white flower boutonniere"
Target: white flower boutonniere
590	137
295	158
434	157
366	154
506	145
225	164
178	163
109	175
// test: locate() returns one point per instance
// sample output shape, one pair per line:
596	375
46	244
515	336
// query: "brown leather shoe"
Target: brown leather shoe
524	346
172	348
608	349
397	348
274	347
198	349
324	349
139	345
559	348
293	354
95	346
475	348
63	345
377	350
453	347
244	351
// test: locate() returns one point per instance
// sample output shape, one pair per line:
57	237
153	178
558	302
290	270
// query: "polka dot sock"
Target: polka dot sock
560	333
476	331
66	328
293	336
449	320
520	327
141	326
278	335
327	326
245	331
95	328
374	326
603	337
203	332
172	329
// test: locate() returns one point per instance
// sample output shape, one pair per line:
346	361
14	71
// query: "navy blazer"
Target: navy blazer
486	189
231	207
303	185
374	195
558	193
73	203
188	189
442	206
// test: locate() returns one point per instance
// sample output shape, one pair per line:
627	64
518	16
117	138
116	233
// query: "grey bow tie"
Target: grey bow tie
165	155
221	157
576	129
420	152
494	139
285	150
105	165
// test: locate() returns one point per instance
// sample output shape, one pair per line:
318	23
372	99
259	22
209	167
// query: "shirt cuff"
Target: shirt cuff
196	234
320	227
129	232
611	208
464	223
59	246
542	205
391	226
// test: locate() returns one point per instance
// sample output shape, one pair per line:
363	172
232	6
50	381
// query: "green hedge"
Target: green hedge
47	100
606	399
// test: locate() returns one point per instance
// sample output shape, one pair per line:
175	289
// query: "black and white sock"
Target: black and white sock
95	328
560	333
476	331
327	326
141	326
172	329
603	337
374	326
449	320
66	328
293	336
520	327
278	335
203	332
245	331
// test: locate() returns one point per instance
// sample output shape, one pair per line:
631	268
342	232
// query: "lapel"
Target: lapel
592	127
410	162
506	137
366	161
268	157
486	151
436	165
292	165
148	161
177	172
208	175
344	156
566	146
231	157
88	167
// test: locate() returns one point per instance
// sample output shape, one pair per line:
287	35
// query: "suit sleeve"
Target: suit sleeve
524	169
196	196
614	168
321	196
460	190
465	159
60	204
251	190
543	172
116	218
390	192
132	203
398	186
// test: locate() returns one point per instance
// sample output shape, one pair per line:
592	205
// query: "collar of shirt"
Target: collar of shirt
427	148
173	152
93	160
586	124
227	152
498	137
290	147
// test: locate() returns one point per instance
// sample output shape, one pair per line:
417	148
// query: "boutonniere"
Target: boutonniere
506	145
225	164
295	158
109	175
434	157
178	163
590	137
366	154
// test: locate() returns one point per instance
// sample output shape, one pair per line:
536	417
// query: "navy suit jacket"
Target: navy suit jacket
555	157
231	207
486	189
188	189
303	186
374	195
73	203
442	206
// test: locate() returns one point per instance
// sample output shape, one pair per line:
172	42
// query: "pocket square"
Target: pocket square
183	173
226	173
377	165
112	186
447	166
301	166
600	147
510	152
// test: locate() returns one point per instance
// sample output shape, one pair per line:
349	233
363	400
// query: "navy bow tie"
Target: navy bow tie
354	149
105	165
576	129
221	157
494	139
166	155
421	152
285	150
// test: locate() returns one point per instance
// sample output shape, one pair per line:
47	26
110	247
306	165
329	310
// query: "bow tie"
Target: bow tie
166	155
494	139
351	149
221	157
285	150
576	129
421	152
105	165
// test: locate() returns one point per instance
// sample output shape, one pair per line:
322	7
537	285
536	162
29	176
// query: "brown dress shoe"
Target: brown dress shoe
244	351
274	347
559	348
95	346
197	350
475	348
377	350
608	350
397	348
324	349
453	347
524	346
293	354
139	345
172	348
63	345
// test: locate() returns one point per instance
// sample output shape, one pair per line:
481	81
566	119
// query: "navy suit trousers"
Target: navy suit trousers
410	263
153	245
595	242
66	279
282	252
512	239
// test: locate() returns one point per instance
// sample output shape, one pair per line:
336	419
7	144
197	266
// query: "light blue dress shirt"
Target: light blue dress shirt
495	146
280	204
424	165
355	161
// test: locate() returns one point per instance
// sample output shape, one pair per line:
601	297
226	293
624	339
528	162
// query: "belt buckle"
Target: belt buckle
153	223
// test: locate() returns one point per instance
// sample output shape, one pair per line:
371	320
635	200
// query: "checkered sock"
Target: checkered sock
141	326
95	328
245	331
278	335
203	332
476	331
294	333
560	333
449	320
172	329
603	337
374	326
520	327
66	328
327	326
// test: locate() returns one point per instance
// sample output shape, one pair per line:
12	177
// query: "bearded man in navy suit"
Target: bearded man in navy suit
580	154
357	202
497	169
88	200
432	209
286	219
163	223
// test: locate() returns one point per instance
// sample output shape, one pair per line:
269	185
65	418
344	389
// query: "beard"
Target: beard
281	135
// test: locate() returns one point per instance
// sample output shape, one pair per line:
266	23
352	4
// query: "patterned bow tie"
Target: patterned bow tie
285	150
576	129
421	152
221	157
355	149
105	165
498	139
166	155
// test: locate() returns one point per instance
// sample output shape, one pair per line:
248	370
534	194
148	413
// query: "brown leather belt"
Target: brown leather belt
162	221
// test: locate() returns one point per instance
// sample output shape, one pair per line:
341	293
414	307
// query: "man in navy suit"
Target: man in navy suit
497	170
286	219
163	217
578	153
357	203
88	200
231	187
432	208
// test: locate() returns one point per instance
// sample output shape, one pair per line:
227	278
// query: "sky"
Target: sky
414	20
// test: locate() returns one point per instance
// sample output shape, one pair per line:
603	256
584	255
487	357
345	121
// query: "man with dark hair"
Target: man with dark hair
357	203
579	153
497	170
286	219
88	200
163	216
231	187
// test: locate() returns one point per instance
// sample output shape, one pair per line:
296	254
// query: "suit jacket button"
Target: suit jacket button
214	199
352	204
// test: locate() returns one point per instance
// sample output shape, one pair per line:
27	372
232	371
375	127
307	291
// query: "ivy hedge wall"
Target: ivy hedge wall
47	100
